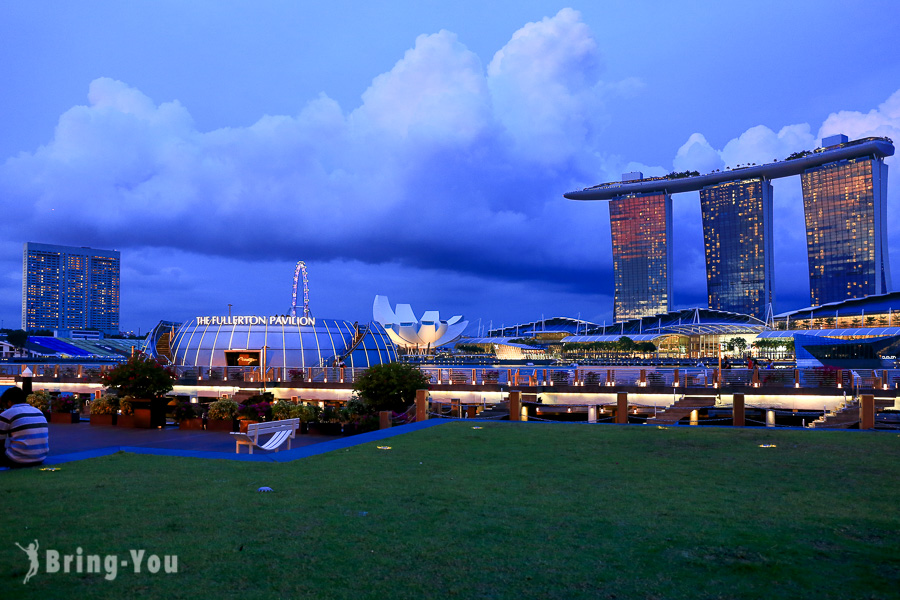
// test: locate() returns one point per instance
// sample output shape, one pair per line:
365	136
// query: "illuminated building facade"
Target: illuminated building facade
67	288
737	235
845	197
845	205
642	250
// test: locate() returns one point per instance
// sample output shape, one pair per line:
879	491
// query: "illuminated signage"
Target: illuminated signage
258	320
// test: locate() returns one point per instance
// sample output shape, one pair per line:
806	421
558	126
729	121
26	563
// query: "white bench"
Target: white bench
282	431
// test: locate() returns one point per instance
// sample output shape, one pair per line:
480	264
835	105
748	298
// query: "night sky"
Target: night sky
416	149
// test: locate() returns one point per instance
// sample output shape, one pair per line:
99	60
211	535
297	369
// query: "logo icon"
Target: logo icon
32	552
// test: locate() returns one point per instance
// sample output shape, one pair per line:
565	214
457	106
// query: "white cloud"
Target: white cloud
545	86
697	155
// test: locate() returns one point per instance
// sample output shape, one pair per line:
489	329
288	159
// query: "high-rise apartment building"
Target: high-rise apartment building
845	205
642	251
66	288
737	236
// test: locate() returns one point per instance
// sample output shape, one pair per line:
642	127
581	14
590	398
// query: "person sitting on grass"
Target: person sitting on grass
23	431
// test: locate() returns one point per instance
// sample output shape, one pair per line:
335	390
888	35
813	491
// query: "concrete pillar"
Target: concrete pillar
737	410
622	408
384	419
515	405
867	411
592	414
770	418
421	405
695	417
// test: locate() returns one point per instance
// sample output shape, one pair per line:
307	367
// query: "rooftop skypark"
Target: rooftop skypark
691	181
843	182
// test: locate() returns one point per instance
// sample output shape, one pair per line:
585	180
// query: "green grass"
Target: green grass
507	511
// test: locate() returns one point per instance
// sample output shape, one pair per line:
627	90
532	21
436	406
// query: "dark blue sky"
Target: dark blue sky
417	150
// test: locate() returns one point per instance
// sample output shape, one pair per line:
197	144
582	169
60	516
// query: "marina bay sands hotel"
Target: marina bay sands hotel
845	206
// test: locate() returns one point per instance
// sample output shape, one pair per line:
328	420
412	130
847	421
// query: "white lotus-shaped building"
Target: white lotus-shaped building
408	332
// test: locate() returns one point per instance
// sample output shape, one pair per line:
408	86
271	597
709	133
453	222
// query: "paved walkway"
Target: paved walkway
81	441
79	437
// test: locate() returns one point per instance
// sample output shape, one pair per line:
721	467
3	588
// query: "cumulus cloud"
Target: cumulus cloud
438	157
546	89
697	155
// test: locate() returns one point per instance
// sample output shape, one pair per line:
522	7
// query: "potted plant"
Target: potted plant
351	416
103	410
188	415
41	401
307	414
146	380
221	414
283	409
64	409
257	409
329	421
126	416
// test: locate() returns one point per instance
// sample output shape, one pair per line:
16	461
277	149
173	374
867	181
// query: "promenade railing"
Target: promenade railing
528	376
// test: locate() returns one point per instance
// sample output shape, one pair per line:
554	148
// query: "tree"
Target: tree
17	338
736	343
139	377
390	386
625	344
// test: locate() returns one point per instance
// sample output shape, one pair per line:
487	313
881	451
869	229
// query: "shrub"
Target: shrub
105	405
65	404
140	377
223	409
125	406
305	412
40	400
186	410
283	409
390	386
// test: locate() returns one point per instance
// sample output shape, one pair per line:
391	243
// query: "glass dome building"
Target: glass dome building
276	341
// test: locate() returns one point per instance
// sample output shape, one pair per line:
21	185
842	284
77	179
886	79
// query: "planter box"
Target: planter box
70	418
150	413
244	423
325	428
103	419
220	425
126	421
191	424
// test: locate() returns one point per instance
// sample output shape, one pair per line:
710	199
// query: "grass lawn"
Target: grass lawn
507	511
